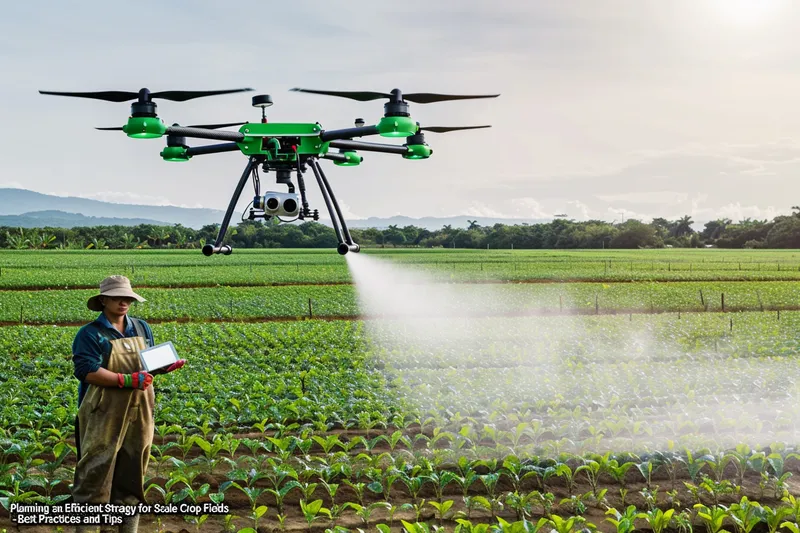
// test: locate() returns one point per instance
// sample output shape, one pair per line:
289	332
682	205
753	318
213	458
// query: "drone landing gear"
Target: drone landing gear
218	247
346	243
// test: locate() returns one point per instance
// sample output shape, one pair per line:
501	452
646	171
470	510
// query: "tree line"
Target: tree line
781	232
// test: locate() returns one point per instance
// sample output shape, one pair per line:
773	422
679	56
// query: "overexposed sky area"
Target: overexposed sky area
608	108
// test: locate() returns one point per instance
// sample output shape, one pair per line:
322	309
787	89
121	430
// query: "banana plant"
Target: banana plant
717	489
522	503
414	485
695	465
440	481
592	470
383	481
745	515
659	520
313	511
416	506
774	517
520	526
466	481
442	510
779	476
619	471
625	522
516	471
569	525
465	526
713	517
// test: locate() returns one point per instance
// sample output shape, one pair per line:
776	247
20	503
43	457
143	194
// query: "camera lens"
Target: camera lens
290	205
272	203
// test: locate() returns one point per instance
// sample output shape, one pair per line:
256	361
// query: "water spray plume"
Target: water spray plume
580	382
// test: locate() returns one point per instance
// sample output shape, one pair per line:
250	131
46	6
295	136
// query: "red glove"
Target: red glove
175	366
137	380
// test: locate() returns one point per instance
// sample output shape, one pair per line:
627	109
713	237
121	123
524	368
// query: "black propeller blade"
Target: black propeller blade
204	126
124	96
445	129
420	98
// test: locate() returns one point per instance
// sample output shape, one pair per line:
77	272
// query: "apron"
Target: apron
115	428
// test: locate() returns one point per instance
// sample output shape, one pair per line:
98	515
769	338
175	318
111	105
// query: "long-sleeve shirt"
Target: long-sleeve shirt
91	346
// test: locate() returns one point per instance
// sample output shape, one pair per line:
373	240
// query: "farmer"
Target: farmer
114	427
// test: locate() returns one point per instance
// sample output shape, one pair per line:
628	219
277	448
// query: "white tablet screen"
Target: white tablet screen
159	356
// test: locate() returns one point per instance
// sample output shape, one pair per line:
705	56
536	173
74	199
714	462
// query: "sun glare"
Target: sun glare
748	12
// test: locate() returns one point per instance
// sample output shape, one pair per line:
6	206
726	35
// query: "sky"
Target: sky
610	110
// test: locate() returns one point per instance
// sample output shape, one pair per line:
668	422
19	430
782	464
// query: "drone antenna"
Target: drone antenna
263	101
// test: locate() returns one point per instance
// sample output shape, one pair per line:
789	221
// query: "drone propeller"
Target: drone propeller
144	95
204	126
445	129
396	95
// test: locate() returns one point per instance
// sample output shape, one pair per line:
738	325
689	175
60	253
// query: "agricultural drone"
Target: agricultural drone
285	148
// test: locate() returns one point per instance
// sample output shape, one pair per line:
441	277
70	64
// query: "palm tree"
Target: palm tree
684	226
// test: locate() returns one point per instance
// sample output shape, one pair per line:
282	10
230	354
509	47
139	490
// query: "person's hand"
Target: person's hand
174	366
137	380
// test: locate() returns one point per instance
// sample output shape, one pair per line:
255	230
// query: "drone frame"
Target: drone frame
283	147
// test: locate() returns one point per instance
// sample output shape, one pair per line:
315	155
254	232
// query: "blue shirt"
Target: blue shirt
90	347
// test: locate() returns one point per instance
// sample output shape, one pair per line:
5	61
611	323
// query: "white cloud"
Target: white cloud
477	209
527	207
737	212
652	197
582	207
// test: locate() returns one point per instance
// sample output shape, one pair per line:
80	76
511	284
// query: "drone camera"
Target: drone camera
278	204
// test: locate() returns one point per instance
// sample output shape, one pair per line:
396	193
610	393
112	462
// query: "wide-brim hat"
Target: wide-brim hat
113	286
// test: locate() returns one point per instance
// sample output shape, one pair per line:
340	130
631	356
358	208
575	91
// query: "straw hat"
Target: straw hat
113	286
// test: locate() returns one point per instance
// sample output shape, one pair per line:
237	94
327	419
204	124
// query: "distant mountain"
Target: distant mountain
28	209
61	219
20	201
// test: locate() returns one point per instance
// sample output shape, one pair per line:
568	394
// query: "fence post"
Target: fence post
310	309
723	302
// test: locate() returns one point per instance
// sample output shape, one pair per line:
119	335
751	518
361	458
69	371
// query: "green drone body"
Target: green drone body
283	148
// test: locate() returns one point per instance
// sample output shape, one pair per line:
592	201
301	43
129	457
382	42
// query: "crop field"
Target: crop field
649	390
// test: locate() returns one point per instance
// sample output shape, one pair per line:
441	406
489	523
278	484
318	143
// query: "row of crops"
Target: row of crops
255	303
541	419
56	269
470	419
582	376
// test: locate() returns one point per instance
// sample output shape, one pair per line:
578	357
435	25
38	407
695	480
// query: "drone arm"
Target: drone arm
348	133
201	133
370	147
212	149
336	157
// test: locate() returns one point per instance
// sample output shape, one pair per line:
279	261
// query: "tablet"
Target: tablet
158	356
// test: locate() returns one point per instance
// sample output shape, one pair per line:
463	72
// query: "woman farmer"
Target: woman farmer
114	427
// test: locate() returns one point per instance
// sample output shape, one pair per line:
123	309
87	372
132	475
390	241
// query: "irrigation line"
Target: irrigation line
621	312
